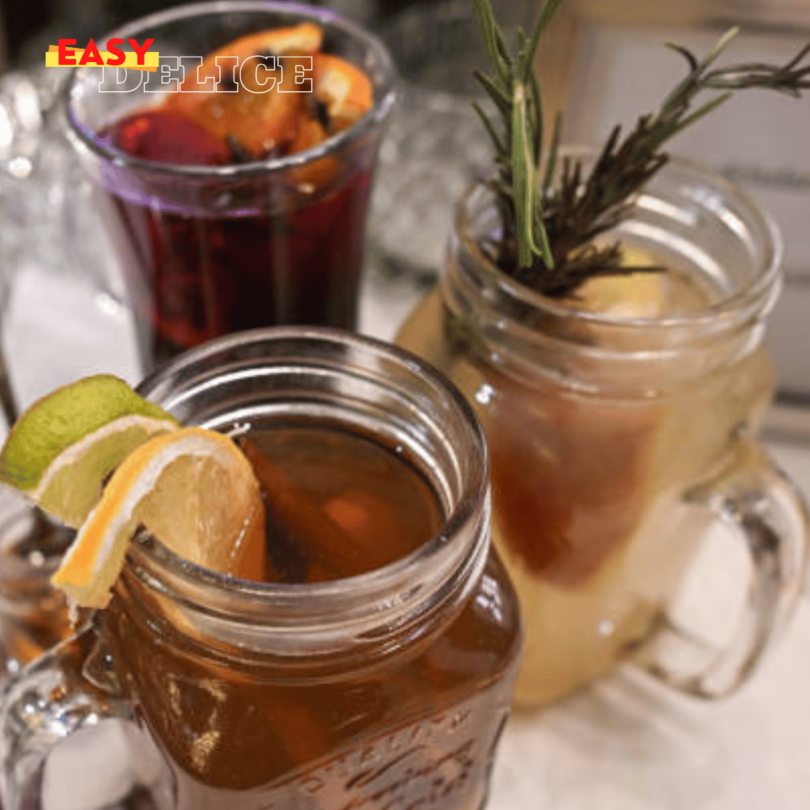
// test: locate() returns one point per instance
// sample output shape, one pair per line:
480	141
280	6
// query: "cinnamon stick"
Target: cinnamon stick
332	552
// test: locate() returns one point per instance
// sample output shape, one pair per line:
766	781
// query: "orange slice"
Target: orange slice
298	40
259	121
343	88
193	490
317	173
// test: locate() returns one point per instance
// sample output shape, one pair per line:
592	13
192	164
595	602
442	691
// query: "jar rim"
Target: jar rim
460	549
384	102
758	294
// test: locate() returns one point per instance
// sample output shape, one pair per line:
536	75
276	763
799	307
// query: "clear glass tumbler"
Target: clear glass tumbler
210	250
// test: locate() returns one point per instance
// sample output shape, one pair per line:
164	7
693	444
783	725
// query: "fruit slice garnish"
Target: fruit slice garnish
63	447
193	490
343	88
315	173
297	40
260	122
638	295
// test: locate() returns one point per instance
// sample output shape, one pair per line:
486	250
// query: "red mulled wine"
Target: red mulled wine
246	208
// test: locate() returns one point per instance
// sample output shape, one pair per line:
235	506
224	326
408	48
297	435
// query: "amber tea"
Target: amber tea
338	504
403	731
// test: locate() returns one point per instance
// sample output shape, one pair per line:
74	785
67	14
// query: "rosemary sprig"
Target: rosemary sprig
516	94
550	225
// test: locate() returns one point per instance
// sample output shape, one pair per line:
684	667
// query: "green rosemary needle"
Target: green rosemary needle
550	224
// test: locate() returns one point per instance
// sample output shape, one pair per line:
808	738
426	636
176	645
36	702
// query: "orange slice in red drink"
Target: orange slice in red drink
343	88
255	119
258	107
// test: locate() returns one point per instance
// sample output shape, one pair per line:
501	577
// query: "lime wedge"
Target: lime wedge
64	446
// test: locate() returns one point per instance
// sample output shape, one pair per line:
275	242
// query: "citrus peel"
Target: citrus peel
62	448
193	490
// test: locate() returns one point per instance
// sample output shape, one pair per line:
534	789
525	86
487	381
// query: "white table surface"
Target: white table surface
626	744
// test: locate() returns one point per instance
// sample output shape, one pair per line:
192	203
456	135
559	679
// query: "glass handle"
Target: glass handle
770	516
60	694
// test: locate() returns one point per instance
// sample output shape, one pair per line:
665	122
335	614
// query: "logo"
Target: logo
256	74
139	58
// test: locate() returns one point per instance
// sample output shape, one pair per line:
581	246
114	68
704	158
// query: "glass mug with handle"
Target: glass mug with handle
620	430
33	616
387	688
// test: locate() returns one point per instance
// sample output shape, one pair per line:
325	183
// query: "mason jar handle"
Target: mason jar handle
769	514
63	692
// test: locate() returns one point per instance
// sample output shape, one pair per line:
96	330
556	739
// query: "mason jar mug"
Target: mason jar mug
196	690
622	428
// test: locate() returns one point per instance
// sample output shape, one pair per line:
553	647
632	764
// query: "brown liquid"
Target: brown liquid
589	491
410	728
342	495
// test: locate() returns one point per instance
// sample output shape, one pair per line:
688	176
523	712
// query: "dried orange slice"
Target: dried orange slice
260	122
343	88
298	40
317	173
194	490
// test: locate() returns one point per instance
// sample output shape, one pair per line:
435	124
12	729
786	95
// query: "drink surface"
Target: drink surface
404	724
337	504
